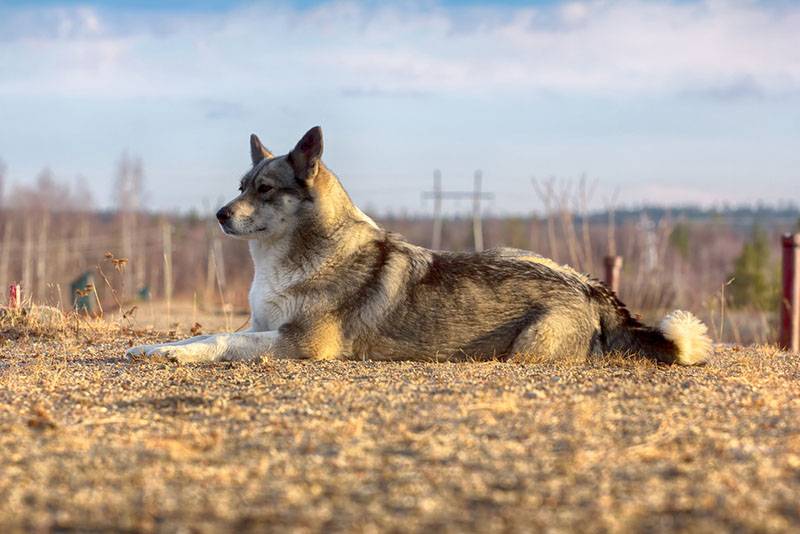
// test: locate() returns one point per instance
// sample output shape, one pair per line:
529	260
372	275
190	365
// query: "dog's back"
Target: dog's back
426	305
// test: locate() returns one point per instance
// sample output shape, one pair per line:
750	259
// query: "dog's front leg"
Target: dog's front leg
142	350
218	347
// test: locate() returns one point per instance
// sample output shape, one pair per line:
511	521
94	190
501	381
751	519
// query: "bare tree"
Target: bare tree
546	192
82	194
128	197
584	196
48	193
129	184
5	245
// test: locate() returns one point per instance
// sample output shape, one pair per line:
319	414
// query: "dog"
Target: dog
329	283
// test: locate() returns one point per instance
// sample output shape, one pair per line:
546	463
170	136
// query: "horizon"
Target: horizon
667	102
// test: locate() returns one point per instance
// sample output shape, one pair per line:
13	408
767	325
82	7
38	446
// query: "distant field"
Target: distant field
90	441
181	316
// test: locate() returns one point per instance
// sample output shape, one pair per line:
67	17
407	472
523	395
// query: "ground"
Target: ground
90	441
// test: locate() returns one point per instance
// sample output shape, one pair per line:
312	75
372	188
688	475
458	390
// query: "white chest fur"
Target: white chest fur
271	302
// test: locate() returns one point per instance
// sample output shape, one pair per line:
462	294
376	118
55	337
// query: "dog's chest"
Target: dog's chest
271	302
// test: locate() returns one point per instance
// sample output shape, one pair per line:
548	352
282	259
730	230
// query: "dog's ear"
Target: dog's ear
257	150
306	154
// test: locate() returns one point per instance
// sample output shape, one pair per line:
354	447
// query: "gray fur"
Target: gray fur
329	283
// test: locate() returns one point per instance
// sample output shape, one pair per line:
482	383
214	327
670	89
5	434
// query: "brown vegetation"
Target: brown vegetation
50	236
186	259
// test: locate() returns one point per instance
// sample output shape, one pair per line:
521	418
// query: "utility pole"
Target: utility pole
477	195
436	241
477	226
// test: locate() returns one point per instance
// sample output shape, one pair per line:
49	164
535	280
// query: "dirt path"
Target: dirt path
89	441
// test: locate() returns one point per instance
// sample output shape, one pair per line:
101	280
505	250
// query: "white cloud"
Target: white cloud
671	100
628	47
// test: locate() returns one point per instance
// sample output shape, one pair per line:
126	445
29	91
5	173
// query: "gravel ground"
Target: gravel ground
89	441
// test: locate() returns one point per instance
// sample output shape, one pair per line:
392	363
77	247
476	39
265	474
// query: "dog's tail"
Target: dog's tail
680	338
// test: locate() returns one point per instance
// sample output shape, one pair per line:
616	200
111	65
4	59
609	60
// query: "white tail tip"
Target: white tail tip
689	334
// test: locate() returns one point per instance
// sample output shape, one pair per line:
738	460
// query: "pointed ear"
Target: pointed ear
305	156
257	150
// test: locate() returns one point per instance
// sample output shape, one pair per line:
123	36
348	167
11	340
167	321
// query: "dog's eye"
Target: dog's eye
264	189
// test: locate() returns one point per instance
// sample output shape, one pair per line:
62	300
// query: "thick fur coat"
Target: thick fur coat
330	283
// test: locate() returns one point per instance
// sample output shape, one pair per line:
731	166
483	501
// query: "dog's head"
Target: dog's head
277	192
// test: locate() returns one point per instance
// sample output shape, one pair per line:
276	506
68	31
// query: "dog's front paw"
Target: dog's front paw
159	352
138	352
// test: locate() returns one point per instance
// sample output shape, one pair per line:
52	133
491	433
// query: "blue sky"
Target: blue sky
665	101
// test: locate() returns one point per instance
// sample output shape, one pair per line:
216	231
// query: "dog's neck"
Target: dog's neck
337	230
307	251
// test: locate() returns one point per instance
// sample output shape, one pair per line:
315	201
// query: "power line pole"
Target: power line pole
477	226
436	241
477	195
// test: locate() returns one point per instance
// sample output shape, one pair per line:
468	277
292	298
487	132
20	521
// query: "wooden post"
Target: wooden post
61	266
41	259
790	308
211	222
477	226
211	272
436	242
5	255
127	229
613	265
166	240
219	260
139	260
27	255
14	296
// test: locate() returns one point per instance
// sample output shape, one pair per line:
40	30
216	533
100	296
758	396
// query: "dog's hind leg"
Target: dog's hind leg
561	335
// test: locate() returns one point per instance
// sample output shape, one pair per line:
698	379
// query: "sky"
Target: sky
659	102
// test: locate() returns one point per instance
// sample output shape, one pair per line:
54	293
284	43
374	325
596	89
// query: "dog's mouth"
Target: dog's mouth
231	231
228	229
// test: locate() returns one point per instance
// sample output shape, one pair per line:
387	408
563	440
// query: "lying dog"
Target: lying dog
330	283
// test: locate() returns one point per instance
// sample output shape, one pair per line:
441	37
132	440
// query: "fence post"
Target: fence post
790	305
166	241
613	265
14	296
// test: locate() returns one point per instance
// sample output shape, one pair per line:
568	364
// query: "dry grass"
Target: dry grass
90	441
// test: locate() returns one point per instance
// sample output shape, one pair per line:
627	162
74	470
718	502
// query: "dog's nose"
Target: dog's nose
223	214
